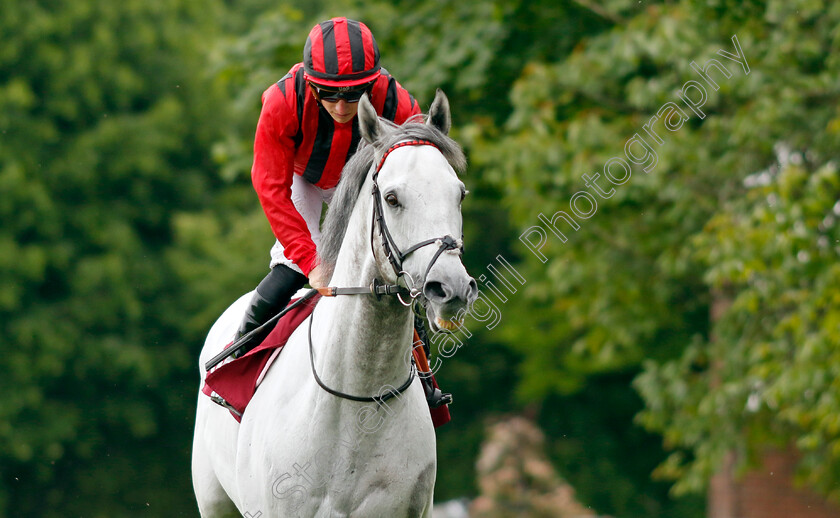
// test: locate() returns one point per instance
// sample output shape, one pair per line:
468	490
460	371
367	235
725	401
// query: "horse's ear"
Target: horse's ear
369	125
439	113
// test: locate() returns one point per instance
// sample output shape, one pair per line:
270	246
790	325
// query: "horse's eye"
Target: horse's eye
464	193
392	200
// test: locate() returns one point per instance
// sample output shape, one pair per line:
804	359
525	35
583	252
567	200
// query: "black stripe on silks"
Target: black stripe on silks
320	148
330	50
307	53
357	45
300	93
389	110
354	141
282	83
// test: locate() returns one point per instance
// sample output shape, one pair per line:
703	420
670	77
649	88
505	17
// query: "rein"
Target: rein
363	399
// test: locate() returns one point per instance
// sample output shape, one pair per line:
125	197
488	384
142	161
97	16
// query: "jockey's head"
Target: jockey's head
340	62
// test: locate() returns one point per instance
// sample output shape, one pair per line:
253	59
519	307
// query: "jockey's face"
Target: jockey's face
341	110
340	102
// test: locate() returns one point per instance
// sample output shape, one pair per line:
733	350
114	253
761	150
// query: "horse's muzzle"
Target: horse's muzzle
451	294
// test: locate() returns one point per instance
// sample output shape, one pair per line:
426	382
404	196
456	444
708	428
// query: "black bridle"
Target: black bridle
392	251
395	257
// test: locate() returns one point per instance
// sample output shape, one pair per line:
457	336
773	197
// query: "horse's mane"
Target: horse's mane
356	170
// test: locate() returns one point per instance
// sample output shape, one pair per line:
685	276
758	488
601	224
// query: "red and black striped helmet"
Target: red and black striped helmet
340	52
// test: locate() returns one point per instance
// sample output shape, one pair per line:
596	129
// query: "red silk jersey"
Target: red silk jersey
296	135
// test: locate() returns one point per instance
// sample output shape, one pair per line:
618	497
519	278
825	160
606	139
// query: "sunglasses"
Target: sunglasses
350	94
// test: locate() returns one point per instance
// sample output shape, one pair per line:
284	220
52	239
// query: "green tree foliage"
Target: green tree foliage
632	283
129	224
769	378
105	136
475	52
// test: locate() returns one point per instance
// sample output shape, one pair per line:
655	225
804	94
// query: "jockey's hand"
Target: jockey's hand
317	277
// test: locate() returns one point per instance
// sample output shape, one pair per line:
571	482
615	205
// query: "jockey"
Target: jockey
306	132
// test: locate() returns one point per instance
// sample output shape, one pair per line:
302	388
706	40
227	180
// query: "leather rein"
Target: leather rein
395	258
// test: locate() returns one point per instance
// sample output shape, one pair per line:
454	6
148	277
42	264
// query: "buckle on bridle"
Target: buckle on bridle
448	242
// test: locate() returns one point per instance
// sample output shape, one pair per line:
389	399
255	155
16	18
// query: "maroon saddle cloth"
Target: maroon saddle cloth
236	381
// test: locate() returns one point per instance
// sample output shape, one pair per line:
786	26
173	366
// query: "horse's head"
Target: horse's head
418	198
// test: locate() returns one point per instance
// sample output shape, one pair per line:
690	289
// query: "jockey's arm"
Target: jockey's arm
272	174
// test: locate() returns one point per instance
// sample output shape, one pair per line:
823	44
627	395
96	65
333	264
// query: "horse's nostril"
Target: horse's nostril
473	289
434	290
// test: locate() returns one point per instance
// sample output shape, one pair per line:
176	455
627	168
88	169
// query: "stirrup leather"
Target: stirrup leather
434	396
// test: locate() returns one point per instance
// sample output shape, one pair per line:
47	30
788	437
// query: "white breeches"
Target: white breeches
309	201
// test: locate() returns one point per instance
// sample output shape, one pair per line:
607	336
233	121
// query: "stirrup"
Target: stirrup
438	398
434	396
215	398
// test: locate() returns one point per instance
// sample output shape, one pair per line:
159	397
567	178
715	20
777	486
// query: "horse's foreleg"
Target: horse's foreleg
213	501
427	512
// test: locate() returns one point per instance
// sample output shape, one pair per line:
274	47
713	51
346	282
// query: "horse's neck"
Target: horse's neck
362	344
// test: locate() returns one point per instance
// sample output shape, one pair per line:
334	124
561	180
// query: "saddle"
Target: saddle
233	383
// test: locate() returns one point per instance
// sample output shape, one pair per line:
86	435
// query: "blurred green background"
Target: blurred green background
695	314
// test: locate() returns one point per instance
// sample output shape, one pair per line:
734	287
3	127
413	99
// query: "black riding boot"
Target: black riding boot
271	296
